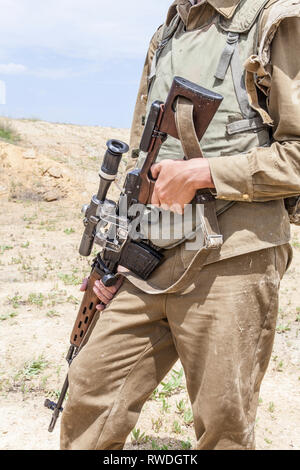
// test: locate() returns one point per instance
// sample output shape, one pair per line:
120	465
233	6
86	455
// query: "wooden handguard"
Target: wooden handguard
86	312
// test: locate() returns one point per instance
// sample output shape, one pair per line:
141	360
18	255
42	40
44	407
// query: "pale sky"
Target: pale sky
75	61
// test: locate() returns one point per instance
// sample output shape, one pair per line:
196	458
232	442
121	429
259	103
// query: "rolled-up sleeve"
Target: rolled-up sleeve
270	173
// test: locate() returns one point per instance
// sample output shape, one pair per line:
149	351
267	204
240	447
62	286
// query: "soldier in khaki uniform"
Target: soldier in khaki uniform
222	324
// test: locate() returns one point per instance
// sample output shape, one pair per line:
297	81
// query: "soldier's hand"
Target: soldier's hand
84	284
105	294
178	180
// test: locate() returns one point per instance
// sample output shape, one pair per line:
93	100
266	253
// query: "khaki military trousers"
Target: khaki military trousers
222	330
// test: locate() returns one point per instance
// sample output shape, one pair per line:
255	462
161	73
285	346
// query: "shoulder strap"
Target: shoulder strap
167	33
244	17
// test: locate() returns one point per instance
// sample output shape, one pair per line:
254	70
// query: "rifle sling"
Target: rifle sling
191	147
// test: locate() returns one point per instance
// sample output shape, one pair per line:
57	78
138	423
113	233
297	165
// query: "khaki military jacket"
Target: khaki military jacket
259	180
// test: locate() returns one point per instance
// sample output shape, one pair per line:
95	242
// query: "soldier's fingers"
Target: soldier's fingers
101	296
121	269
155	201
84	285
155	170
177	208
109	292
100	307
114	289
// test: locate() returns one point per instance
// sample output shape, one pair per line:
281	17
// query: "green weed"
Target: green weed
271	407
157	424
70	279
35	367
186	445
176	427
181	406
173	385
36	299
69	231
4	248
9	315
165	405
283	328
188	417
8	134
16	301
138	437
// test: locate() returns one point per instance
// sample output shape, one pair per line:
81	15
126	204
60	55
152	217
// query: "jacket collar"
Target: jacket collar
225	7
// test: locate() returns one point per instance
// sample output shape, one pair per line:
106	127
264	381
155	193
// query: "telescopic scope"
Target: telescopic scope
107	174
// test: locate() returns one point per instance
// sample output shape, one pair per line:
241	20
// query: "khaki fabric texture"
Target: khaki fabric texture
223	337
261	178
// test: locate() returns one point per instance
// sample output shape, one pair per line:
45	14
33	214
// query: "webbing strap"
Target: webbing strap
239	85
167	34
225	59
245	125
192	149
213	240
185	281
231	57
186	129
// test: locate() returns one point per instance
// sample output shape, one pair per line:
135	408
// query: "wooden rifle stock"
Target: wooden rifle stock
86	311
205	105
160	124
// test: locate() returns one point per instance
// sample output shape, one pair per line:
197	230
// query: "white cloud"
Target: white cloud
12	69
51	73
54	73
86	29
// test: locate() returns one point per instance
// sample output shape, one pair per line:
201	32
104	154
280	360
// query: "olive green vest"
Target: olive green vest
212	57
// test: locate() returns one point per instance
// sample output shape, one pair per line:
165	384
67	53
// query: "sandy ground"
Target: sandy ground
39	297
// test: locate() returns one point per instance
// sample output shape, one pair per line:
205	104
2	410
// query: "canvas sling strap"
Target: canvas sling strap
213	238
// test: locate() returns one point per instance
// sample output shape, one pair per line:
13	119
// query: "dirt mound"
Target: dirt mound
40	274
49	161
26	175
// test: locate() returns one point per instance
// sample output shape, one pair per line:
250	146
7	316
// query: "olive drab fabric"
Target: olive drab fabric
257	70
212	57
248	167
223	337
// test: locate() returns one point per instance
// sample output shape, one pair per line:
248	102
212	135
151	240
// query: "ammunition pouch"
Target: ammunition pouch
140	258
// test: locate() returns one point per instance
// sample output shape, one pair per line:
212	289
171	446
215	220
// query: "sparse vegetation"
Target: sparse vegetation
41	271
7	133
138	437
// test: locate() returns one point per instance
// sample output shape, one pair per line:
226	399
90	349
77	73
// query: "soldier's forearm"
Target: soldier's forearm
263	174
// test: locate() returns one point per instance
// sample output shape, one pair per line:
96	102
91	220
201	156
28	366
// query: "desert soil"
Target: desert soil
45	179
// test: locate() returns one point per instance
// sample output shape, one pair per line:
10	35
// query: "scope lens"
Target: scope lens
117	146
